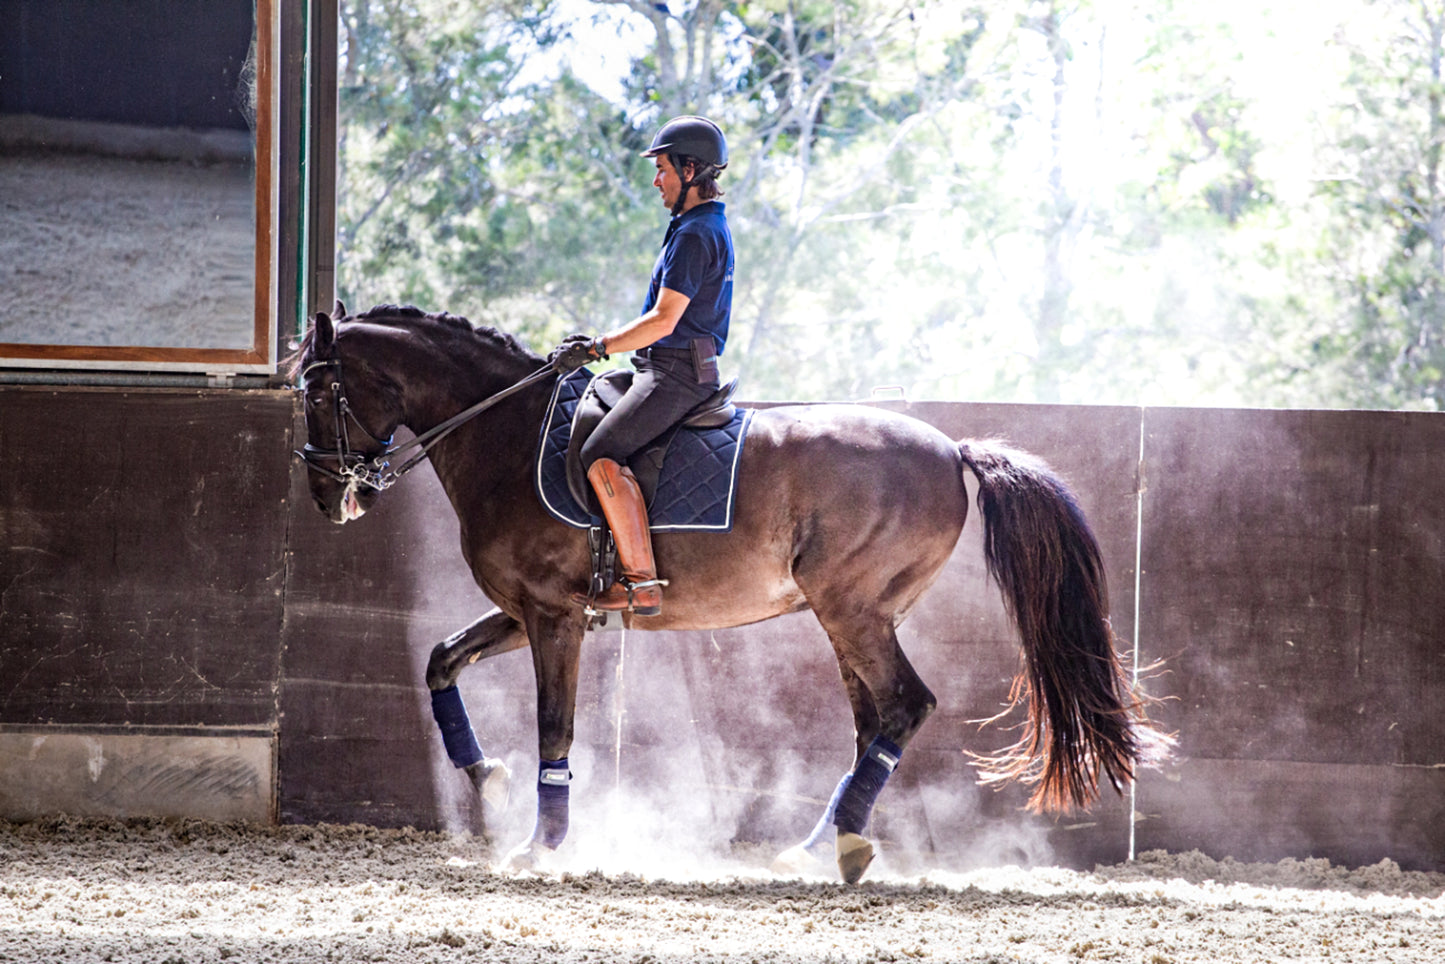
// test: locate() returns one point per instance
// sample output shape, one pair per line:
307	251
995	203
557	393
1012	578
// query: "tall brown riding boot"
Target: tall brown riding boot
638	590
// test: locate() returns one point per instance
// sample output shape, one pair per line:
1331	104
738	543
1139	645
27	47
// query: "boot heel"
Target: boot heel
645	598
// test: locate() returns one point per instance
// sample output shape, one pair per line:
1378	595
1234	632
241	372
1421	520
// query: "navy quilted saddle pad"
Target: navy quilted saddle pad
695	489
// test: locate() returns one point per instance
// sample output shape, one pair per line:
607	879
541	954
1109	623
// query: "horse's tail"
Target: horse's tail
1083	722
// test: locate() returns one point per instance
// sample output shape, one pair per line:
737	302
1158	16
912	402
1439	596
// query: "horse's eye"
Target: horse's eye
313	401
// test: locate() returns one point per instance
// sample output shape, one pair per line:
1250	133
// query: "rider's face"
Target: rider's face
667	180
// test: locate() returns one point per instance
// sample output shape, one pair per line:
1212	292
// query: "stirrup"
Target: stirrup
630	586
632	589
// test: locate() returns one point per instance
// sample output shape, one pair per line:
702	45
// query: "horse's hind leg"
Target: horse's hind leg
898	702
494	633
808	855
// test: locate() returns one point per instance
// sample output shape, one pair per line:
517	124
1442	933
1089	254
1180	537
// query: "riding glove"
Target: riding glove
574	352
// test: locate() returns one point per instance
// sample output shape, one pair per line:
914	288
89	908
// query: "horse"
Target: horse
845	510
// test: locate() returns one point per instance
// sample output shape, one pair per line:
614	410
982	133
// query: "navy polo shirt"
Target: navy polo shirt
697	260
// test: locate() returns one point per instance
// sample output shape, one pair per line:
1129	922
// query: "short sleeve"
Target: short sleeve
685	264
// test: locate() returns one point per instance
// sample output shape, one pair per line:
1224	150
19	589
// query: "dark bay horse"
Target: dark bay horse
846	510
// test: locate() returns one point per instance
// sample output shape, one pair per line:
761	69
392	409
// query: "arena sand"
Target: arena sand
184	892
107	251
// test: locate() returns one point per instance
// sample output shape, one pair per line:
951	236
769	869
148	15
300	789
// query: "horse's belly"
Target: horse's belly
717	580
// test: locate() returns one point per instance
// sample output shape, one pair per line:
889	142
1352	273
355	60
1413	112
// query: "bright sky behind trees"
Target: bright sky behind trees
1100	202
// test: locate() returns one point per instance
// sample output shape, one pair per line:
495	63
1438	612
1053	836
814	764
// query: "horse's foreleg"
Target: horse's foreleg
494	633
556	651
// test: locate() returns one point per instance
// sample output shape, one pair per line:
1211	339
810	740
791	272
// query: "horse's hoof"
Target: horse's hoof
854	855
526	856
493	781
798	861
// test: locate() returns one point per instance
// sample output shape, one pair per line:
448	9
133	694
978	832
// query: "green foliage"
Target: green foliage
1013	200
469	188
1385	237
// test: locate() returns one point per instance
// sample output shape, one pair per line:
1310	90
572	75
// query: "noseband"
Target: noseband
374	471
341	464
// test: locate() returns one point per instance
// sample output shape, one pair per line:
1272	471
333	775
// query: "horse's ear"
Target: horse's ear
324	339
339	311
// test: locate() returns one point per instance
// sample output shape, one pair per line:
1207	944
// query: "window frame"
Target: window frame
261	356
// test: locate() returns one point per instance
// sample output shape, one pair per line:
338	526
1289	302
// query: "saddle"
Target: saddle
604	392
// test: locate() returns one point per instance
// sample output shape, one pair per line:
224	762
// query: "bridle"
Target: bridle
343	464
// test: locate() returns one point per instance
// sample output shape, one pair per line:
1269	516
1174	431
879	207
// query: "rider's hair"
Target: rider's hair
704	178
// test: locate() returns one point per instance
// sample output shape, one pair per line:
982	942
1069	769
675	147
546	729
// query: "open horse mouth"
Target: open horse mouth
351	507
348	506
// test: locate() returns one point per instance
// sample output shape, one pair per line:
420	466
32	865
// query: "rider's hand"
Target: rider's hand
574	352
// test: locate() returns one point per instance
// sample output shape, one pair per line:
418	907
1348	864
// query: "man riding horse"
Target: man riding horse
676	342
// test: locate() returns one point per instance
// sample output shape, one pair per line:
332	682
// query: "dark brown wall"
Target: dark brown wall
162	570
158	64
142	557
1294	585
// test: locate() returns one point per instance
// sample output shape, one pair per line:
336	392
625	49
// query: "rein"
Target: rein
375	471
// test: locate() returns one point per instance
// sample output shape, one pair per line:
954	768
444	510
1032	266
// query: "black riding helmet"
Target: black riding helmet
691	137
695	138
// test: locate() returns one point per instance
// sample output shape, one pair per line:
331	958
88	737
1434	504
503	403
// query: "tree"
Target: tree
1049	200
471	184
523	202
1384	246
1142	149
850	164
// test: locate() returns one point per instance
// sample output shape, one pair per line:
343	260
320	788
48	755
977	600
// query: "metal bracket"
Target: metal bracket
882	393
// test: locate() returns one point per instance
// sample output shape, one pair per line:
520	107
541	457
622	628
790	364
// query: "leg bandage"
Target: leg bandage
450	713
553	793
826	820
865	783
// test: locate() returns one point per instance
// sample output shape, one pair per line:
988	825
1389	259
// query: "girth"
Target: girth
604	392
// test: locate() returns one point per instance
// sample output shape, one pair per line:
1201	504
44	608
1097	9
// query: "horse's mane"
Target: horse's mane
408	316
404	315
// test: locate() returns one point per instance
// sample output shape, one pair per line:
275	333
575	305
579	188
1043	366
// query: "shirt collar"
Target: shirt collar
695	211
698	210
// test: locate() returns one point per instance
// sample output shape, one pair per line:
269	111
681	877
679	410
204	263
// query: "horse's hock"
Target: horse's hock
181	634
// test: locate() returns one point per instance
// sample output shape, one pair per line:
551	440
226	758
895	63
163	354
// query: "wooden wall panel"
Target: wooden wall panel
208	775
353	736
1294	572
142	556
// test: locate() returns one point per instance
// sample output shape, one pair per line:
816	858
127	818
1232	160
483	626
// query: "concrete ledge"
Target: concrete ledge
99	773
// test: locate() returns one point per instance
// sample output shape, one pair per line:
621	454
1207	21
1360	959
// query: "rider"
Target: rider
675	342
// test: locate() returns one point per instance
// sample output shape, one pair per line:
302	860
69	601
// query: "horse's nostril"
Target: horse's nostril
320	503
